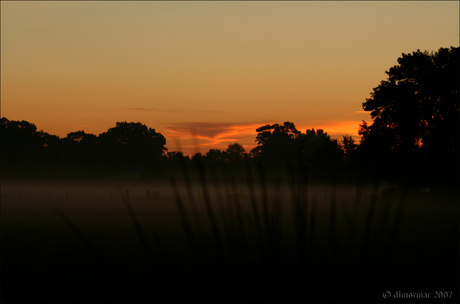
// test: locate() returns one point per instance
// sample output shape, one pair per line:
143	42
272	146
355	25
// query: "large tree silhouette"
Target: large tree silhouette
277	148
25	151
235	153
284	149
132	147
80	152
19	147
320	157
415	131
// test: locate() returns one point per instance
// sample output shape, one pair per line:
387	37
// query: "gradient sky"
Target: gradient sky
217	70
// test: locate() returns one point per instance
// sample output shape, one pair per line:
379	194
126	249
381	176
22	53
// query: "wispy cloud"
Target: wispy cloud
214	134
214	130
217	135
172	111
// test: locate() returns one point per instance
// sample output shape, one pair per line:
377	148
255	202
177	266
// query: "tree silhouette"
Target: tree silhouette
177	163
310	141
415	132
349	147
327	161
236	160
80	151
235	153
276	146
320	156
20	146
351	156
216	156
132	147
50	153
197	157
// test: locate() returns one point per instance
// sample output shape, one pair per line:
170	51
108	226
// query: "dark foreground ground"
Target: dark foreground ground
128	241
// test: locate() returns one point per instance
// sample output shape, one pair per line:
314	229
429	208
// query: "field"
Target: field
226	241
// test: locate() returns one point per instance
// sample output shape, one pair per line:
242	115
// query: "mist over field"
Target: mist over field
267	241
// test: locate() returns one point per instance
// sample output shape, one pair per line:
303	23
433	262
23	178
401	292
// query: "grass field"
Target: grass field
226	241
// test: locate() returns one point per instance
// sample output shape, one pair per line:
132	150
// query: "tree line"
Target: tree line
131	148
413	138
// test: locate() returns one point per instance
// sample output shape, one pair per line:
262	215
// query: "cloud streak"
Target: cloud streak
189	137
171	111
213	133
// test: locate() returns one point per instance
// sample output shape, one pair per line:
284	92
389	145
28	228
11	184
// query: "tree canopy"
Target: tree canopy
276	145
415	116
132	145
313	154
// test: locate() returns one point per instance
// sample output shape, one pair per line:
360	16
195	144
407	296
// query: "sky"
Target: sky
207	74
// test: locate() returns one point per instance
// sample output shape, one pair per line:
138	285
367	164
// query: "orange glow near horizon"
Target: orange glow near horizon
218	69
202	138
